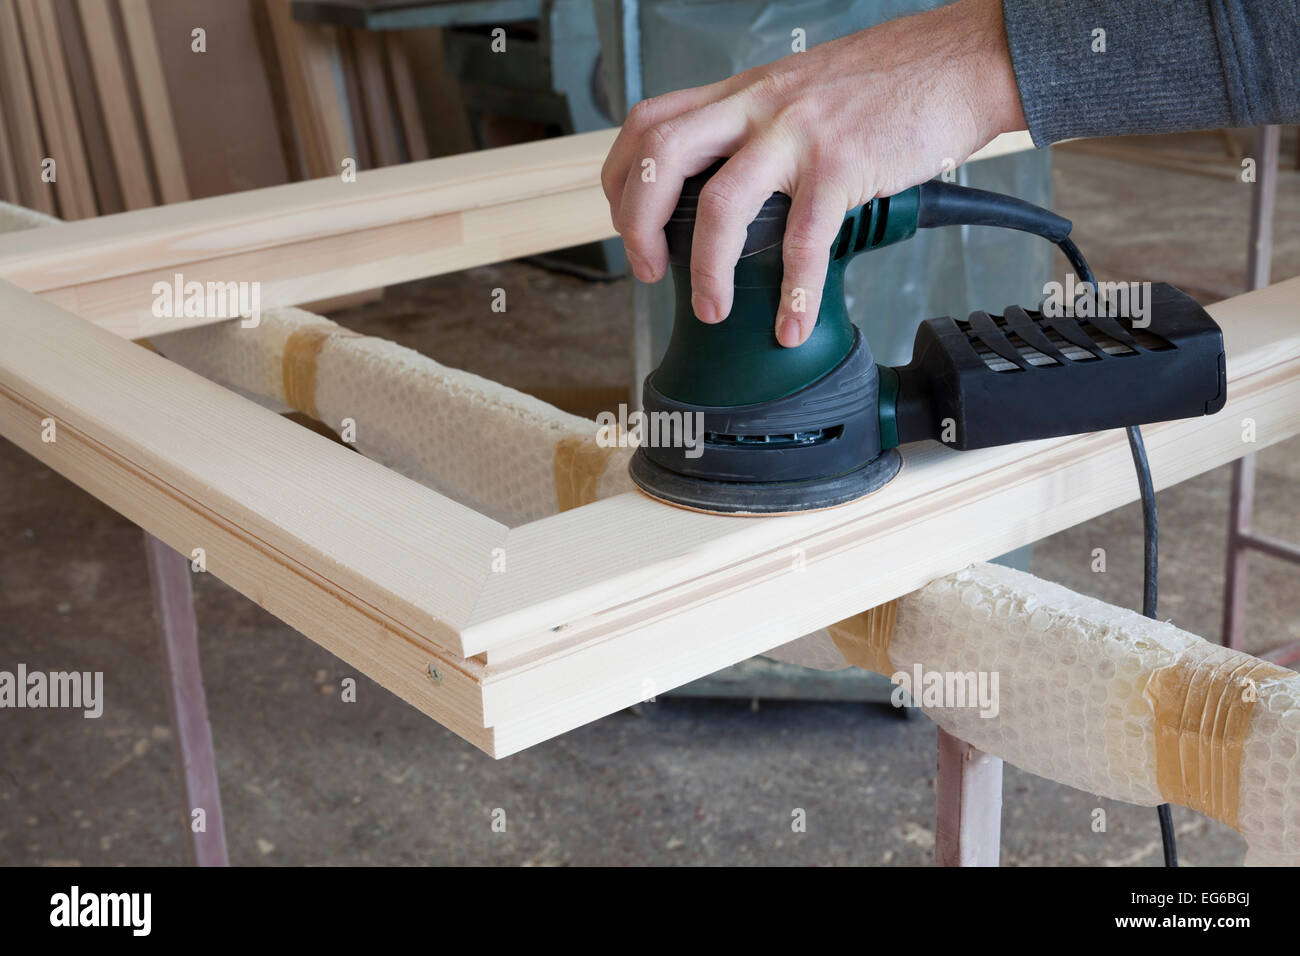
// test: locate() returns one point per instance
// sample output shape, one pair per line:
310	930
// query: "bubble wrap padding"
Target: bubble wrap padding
1075	701
16	218
490	447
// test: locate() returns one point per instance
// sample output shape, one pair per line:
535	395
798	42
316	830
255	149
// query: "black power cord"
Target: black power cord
947	204
1150	535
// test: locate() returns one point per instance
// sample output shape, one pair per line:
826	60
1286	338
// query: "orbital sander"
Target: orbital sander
819	425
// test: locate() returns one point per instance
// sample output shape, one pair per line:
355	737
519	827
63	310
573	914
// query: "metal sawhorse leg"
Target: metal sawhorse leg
169	578
1242	538
968	803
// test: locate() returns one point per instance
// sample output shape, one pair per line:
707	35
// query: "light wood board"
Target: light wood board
324	238
307	53
160	126
20	109
73	185
124	138
601	606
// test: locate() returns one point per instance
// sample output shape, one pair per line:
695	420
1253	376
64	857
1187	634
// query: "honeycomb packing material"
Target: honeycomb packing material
495	449
16	218
1097	697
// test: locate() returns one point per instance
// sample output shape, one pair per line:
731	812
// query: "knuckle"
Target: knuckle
774	86
660	139
805	248
720	196
705	274
610	181
795	116
642	114
812	291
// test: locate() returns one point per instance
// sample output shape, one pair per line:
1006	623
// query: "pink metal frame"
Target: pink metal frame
968	805
169	577
1242	538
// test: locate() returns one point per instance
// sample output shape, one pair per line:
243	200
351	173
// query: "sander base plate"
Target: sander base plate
763	497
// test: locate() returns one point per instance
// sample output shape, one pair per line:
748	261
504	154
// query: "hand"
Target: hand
864	116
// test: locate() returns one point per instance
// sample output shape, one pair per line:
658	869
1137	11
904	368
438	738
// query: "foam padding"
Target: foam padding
495	449
17	218
1101	698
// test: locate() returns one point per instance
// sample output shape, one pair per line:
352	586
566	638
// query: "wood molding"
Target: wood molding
20	106
325	238
405	98
379	538
601	606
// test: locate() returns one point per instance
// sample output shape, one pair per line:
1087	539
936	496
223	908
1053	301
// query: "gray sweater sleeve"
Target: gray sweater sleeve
1161	66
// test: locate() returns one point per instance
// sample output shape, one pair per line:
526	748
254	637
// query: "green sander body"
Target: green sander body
775	430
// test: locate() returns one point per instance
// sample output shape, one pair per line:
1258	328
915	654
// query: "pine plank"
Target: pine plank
9	190
58	111
223	109
307	53
325	238
408	106
354	102
375	101
124	139
312	240
20	106
399	551
108	193
160	125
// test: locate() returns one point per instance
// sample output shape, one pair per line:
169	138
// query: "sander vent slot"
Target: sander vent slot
1027	352
1108	345
996	355
842	243
799	439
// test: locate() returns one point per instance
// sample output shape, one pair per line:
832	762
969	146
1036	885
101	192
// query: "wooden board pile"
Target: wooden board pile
113	105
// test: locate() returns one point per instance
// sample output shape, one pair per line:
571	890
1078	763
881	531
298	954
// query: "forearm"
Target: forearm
1167	65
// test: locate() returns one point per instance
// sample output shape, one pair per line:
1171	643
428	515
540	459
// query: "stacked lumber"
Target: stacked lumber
86	119
117	105
374	120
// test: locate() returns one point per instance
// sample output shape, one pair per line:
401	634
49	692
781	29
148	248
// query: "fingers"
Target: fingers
728	203
630	149
816	214
667	154
649	113
640	119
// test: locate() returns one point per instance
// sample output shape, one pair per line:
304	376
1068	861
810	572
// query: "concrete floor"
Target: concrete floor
308	779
